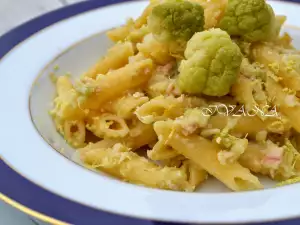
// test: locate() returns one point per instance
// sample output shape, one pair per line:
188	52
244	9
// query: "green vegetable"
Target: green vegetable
254	20
175	21
212	64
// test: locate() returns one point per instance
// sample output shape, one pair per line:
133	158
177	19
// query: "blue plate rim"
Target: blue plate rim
34	200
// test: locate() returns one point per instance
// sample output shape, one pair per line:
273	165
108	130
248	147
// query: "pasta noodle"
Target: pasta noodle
126	165
165	108
125	106
159	108
270	159
117	82
65	104
139	135
196	174
120	33
249	125
74	132
153	49
108	125
204	154
281	98
281	65
116	57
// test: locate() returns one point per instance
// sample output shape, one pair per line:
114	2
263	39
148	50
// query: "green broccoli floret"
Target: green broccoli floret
174	22
254	20
212	64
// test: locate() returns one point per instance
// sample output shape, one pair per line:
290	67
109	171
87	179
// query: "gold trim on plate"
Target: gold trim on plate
31	212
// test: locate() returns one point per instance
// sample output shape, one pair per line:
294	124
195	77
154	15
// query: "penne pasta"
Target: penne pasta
282	66
116	57
109	126
116	83
74	133
139	135
125	106
65	104
155	50
120	33
196	174
159	108
204	154
283	101
122	163
142	20
280	163
161	151
250	124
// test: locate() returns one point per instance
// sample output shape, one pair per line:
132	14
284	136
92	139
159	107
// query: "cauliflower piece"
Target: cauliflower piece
175	21
254	20
212	64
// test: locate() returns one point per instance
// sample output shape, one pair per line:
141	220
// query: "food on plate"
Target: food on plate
212	64
175	22
190	89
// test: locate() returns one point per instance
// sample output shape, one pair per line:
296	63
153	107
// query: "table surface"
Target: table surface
12	14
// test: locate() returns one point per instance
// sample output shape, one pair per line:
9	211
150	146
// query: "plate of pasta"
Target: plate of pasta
171	110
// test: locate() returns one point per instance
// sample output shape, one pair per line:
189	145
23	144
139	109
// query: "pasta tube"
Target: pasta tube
142	20
74	133
288	104
124	107
120	33
269	159
161	151
280	64
122	163
116	83
139	136
155	50
250	124
197	175
204	154
116	57
65	104
108	125
159	108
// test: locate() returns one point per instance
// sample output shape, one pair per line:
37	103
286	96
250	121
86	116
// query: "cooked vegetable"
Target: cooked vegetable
174	22
254	20
212	64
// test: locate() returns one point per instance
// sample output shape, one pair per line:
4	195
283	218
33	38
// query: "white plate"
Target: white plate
75	44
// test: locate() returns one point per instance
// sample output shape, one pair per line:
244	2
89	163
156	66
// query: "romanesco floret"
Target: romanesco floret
175	21
254	20
212	64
